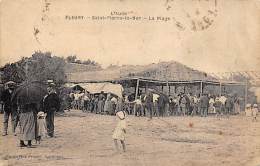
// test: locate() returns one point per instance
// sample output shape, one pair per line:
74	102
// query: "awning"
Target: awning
106	87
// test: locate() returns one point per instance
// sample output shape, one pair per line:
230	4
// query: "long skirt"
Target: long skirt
42	128
237	108
108	107
119	133
100	107
27	126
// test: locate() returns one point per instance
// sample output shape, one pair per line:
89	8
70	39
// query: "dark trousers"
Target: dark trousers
143	110
14	118
161	111
228	110
183	110
50	123
149	107
138	110
204	111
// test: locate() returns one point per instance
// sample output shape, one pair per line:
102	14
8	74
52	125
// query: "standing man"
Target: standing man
143	108
51	104
229	105
161	105
101	102
149	103
183	105
204	104
9	108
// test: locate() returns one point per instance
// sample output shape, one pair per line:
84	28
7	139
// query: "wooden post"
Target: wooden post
220	89
137	88
169	89
201	88
246	93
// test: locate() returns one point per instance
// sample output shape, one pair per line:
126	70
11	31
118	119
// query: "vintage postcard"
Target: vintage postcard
130	82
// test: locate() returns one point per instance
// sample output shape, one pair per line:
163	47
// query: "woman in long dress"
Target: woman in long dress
108	106
211	105
237	106
28	121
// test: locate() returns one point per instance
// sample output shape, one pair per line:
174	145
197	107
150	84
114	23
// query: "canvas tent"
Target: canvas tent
93	88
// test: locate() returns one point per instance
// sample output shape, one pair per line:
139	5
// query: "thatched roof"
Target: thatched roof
251	76
172	71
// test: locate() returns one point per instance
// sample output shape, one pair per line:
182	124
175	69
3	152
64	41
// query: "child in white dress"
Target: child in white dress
120	130
248	110
41	126
254	111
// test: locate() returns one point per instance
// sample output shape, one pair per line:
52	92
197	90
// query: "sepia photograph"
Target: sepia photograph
130	82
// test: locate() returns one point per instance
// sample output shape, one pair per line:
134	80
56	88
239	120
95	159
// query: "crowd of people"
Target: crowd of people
96	103
158	104
185	105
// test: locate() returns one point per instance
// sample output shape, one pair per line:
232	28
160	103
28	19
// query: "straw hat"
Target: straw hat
255	106
40	113
248	105
10	84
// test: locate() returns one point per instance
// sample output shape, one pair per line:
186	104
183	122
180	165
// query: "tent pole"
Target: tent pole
137	88
246	93
220	88
201	88
169	89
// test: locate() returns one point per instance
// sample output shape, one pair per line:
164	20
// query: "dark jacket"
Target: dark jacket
31	107
161	101
149	99
182	101
6	98
229	102
51	102
204	101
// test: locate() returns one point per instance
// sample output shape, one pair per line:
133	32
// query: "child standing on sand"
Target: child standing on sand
41	126
254	111
120	130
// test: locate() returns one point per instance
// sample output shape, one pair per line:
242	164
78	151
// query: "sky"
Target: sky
230	43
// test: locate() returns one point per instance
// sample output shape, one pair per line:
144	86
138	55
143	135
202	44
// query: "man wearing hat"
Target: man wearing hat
9	108
51	105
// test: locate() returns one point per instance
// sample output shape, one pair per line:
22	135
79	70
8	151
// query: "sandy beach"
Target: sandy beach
86	139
